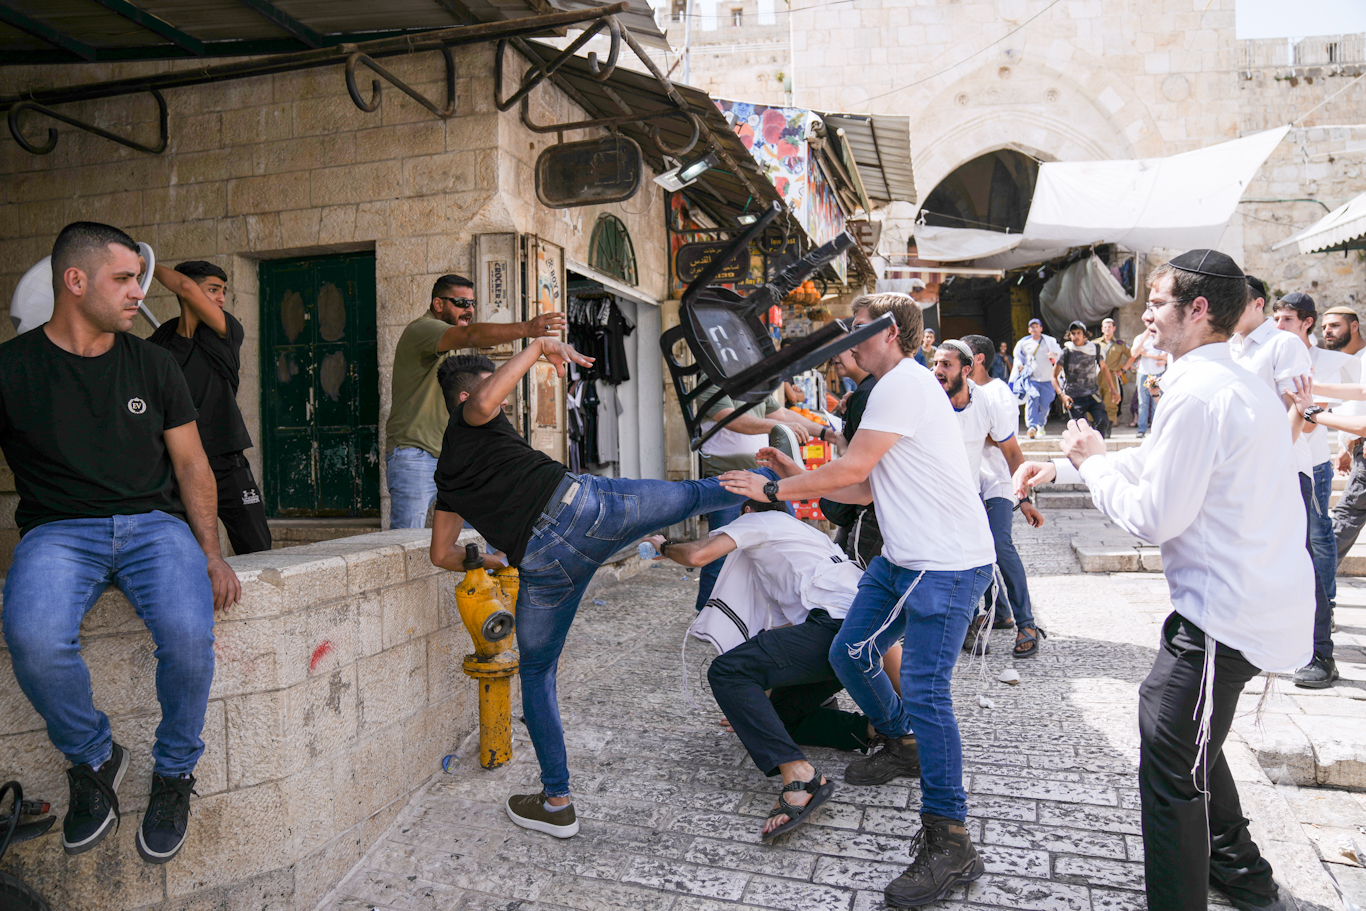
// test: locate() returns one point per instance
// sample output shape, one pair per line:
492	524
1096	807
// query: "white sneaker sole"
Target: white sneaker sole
86	844
548	828
155	857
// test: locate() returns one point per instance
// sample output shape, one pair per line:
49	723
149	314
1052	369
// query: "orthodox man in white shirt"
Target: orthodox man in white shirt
1295	313
1214	486
928	581
1342	334
1279	359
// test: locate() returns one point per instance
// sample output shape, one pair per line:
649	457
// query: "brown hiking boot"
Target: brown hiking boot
942	857
898	757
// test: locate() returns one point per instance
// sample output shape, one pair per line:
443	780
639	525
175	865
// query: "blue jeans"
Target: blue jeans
1001	517
1145	406
937	608
59	570
1323	542
412	487
1038	399
568	544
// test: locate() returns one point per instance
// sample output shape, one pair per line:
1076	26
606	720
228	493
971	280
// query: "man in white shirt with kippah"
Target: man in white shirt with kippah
1214	485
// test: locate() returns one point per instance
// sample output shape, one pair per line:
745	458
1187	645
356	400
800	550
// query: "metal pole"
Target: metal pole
687	42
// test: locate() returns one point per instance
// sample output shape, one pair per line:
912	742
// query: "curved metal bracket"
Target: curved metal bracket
687	146
607	122
601	72
375	98
43	149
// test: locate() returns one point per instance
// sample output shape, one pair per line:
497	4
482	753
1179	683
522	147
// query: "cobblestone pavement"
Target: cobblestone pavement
671	806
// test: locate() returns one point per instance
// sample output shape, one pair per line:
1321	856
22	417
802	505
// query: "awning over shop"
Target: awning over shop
1181	201
1344	228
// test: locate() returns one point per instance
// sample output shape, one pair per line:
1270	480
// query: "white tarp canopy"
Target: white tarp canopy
1334	231
954	245
1181	201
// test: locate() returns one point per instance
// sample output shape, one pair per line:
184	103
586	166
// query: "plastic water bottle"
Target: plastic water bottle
647	551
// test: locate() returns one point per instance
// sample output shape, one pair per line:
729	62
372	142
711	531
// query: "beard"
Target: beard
953	385
1336	344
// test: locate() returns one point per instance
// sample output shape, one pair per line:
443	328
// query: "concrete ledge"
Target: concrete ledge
1099	558
337	691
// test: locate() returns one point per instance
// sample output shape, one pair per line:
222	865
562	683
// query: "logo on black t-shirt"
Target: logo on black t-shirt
137	405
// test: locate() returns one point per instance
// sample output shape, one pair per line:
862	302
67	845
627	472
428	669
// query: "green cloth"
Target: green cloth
715	466
417	411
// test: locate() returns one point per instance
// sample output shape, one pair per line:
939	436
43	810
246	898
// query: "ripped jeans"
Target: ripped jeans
932	608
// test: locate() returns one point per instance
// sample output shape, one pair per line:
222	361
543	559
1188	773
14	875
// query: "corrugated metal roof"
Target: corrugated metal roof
222	24
881	144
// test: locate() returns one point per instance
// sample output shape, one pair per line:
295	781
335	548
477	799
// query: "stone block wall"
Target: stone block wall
338	688
286	165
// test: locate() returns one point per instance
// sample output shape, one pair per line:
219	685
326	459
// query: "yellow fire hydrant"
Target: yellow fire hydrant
486	607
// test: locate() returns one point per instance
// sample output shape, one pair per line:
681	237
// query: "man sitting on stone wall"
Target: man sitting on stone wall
114	488
555	527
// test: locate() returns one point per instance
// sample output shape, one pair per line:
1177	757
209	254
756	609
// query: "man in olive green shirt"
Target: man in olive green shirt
1116	354
417	412
733	448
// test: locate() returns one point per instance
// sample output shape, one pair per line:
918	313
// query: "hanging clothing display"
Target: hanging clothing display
598	329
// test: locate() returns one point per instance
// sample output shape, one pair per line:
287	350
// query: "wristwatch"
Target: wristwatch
823	430
1311	411
771	491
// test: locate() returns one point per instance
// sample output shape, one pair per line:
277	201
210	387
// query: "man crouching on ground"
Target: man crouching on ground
555	527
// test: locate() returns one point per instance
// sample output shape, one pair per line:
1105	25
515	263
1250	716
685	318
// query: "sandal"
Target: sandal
819	792
1003	623
975	641
1027	646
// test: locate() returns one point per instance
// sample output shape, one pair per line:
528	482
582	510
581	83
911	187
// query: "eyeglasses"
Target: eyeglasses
1158	305
464	303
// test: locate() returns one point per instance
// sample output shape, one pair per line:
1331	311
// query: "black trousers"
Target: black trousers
1093	409
1323	611
793	662
239	503
1182	853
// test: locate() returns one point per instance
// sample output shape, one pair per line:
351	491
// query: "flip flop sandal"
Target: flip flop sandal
1030	643
820	793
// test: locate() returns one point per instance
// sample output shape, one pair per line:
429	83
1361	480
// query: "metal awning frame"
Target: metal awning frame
40	101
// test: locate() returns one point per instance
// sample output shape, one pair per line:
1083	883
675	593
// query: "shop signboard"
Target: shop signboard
692	260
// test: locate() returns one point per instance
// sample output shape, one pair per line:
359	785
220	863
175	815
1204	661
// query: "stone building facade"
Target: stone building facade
287	167
1082	80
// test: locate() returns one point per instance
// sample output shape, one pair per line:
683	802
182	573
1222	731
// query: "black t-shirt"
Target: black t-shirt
493	479
84	435
211	365
855	405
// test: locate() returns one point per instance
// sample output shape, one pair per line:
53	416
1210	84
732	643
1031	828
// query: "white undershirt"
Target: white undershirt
792	567
994	479
1277	357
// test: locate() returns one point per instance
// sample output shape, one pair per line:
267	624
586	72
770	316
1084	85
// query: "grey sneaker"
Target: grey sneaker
1318	674
529	812
899	757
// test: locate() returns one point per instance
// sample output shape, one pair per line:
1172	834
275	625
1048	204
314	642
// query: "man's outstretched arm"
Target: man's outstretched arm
486	335
188	290
694	553
843	480
488	397
199	493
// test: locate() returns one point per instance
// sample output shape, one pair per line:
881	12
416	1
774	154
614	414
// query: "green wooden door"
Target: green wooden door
320	386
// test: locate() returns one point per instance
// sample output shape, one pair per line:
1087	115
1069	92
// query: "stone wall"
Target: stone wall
338	688
281	166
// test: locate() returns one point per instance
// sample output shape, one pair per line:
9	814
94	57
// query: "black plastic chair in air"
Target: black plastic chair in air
729	341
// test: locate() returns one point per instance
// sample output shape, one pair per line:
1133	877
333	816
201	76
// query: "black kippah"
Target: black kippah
1207	262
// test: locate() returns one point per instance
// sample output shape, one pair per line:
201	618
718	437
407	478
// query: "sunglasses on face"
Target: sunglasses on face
464	303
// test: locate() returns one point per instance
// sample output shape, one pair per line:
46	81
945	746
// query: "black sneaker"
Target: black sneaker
1318	674
1247	900
899	756
942	857
94	806
162	832
529	812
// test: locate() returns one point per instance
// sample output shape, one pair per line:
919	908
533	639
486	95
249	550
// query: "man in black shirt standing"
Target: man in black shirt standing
206	341
114	488
555	527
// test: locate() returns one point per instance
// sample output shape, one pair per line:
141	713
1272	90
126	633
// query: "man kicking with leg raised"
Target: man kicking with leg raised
555	527
927	582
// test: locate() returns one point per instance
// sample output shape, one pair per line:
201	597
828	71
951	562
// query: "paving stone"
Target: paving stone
1096	872
693	879
1058	840
786	895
